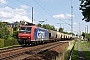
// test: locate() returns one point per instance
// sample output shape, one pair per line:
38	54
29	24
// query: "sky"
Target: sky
53	12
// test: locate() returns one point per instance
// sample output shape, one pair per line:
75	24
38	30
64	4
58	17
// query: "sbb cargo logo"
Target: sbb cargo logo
40	34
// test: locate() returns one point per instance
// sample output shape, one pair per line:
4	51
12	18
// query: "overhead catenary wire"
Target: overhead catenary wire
37	10
6	5
31	6
65	22
44	9
22	3
49	13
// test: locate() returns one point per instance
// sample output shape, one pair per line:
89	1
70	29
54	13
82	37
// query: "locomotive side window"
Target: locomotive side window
22	29
28	29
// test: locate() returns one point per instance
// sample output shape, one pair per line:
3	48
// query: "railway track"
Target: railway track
43	48
27	51
10	49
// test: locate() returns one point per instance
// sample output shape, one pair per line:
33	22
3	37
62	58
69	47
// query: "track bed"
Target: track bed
39	52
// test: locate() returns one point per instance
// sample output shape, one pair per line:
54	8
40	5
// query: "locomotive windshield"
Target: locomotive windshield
25	29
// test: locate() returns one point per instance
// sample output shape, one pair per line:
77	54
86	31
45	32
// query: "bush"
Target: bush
15	34
1	43
10	42
16	42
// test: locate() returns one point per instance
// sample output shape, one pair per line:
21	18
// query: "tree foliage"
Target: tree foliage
4	32
15	31
39	25
15	34
61	29
72	34
85	7
22	22
85	35
47	26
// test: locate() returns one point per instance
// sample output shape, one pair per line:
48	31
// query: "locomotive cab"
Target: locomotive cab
24	34
32	34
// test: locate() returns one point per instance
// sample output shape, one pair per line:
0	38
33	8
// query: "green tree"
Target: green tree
39	25
15	34
53	28
15	31
4	32
83	34
72	34
22	22
61	29
88	36
85	7
65	32
15	28
47	26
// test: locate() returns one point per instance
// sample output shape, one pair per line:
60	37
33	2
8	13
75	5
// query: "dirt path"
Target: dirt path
80	52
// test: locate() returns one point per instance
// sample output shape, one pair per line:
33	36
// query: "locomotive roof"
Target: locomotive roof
32	26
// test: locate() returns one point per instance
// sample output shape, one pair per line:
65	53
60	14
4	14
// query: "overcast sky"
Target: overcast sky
50	11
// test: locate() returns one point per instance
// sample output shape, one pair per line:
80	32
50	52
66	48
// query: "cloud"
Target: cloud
59	16
75	23
8	14
69	15
24	6
62	16
5	15
3	1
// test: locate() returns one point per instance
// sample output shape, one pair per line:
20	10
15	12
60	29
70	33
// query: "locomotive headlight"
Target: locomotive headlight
19	37
28	37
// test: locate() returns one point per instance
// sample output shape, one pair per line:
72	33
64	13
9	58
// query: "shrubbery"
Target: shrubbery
1	43
5	43
10	42
7	38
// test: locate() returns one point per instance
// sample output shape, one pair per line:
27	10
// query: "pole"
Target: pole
60	24
32	14
71	18
79	30
85	33
87	29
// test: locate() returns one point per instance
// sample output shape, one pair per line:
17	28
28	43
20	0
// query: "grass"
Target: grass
75	52
88	44
82	46
9	46
85	51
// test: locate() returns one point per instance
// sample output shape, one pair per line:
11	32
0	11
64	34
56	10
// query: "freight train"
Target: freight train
33	35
